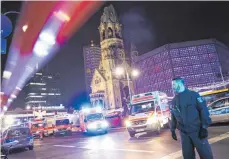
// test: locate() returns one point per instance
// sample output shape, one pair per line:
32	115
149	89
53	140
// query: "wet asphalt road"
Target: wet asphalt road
118	145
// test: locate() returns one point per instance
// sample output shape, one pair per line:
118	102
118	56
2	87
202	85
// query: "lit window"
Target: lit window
31	93
34	96
37	84
36	101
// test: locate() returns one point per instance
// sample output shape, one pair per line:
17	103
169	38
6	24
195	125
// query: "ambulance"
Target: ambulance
92	121
149	112
62	125
38	127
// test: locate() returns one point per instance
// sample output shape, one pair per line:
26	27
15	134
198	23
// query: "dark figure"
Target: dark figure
125	108
190	116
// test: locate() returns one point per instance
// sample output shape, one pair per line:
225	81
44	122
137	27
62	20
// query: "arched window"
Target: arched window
110	33
117	33
103	35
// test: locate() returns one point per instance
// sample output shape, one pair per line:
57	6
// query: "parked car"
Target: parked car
22	136
219	110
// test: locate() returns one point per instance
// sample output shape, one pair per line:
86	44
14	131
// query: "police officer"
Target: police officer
191	117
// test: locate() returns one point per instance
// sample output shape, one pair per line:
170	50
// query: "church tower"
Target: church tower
108	88
112	56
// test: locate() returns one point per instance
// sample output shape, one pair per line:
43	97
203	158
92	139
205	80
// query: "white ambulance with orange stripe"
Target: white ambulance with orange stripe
62	125
39	127
149	112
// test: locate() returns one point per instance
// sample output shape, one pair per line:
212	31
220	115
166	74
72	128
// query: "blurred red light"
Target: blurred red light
62	16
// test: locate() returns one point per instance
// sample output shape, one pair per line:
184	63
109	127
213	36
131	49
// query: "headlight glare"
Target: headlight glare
92	126
128	123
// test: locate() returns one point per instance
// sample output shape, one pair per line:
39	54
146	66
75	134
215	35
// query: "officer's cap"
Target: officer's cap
180	79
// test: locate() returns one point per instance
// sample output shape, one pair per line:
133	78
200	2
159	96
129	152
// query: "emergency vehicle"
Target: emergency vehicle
149	112
38	128
92	120
62	125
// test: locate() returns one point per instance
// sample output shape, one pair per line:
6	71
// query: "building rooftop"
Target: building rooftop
180	45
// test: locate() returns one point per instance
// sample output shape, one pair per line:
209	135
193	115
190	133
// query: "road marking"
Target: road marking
218	138
131	150
108	149
64	146
82	142
125	150
213	140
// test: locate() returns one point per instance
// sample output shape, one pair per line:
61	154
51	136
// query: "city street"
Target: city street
118	144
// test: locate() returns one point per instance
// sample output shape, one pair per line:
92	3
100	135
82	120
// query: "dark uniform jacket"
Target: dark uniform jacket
189	112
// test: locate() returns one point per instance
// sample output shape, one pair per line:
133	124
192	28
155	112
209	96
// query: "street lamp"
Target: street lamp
119	71
134	73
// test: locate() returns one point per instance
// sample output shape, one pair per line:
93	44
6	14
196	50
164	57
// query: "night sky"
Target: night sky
146	24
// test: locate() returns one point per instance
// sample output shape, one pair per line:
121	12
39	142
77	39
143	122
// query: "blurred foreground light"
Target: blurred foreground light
24	28
10	100
18	88
47	37
40	49
13	96
62	16
1	93
7	74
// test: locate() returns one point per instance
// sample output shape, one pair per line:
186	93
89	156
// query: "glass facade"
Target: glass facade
92	57
198	64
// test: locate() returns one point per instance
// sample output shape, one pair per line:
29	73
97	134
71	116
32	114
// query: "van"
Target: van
22	135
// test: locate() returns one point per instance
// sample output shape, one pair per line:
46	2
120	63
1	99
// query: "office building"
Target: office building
92	58
42	91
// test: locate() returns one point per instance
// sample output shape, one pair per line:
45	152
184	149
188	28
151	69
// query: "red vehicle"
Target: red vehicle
114	118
